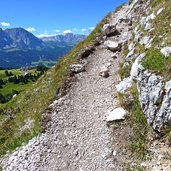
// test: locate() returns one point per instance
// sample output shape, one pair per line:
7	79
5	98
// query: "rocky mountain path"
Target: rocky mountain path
78	138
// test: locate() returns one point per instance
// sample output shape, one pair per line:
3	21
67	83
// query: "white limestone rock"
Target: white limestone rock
124	85
145	40
131	53
131	46
166	51
105	27
149	44
136	67
148	26
77	68
160	10
154	97
116	114
104	71
151	17
148	19
143	21
112	45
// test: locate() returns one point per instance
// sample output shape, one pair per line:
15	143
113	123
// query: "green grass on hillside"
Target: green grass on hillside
9	87
14	71
162	32
137	121
30	103
155	3
161	24
45	63
156	62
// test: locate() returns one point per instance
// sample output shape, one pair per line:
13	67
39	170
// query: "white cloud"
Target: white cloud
31	29
45	34
5	24
91	28
67	31
75	29
57	31
83	30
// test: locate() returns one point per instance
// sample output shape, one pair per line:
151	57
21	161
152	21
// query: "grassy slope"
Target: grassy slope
154	60
7	88
32	102
14	71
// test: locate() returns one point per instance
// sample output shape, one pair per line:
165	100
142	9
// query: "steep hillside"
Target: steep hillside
29	105
105	105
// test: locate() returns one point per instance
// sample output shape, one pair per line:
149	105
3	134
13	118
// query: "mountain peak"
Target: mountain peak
20	38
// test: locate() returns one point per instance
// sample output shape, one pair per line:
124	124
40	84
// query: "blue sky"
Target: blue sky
50	17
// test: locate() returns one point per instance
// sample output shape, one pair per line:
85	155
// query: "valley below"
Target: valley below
19	48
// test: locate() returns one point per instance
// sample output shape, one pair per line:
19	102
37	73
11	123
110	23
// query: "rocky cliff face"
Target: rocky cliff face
153	87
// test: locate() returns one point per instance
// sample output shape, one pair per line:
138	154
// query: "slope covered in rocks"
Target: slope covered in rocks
80	128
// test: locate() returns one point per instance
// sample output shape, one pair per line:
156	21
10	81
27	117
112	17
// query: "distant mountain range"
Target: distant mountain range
20	48
68	38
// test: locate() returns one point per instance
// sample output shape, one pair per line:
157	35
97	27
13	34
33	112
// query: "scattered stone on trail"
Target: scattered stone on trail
98	40
105	27
115	55
116	115
110	30
104	72
87	51
112	45
126	20
77	68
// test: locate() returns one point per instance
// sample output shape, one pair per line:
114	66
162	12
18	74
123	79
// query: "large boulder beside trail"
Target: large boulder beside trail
116	115
110	30
113	45
77	68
